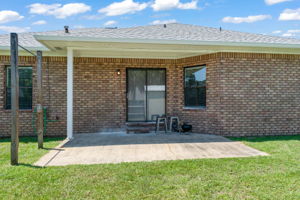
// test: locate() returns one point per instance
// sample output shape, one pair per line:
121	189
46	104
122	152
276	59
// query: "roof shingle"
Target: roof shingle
173	31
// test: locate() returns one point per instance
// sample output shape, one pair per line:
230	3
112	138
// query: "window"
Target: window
195	86
25	88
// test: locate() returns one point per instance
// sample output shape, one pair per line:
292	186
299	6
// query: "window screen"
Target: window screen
195	86
25	88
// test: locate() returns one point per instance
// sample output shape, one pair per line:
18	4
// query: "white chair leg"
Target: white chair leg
170	127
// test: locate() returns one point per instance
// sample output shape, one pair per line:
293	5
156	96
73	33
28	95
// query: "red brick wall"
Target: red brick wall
247	94
260	94
203	120
54	87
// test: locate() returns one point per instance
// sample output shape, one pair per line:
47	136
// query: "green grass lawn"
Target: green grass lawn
271	177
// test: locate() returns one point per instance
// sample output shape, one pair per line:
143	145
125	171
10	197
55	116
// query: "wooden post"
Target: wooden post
14	98
40	113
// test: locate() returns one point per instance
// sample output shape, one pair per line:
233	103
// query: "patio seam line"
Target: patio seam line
169	147
57	150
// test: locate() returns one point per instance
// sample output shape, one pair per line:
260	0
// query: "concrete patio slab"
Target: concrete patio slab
99	148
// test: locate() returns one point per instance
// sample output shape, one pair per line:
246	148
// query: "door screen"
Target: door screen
146	93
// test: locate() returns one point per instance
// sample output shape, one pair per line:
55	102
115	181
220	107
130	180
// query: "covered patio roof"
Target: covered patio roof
150	48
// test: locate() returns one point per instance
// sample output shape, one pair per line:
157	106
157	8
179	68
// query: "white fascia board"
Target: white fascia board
151	41
29	48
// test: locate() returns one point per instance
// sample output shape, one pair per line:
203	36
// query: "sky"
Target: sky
271	17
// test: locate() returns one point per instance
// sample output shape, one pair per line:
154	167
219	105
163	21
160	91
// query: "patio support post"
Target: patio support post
70	93
40	113
14	99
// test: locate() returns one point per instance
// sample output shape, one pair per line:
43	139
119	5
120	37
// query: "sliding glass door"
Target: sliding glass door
146	94
136	95
156	92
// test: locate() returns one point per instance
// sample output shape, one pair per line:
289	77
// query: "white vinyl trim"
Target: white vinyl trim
29	48
160	41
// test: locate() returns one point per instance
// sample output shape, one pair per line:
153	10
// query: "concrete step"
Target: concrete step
137	130
140	124
142	127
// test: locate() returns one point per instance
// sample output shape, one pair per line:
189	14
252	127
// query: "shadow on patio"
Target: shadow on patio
100	139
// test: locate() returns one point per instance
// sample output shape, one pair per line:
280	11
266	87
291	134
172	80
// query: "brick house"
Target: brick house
222	82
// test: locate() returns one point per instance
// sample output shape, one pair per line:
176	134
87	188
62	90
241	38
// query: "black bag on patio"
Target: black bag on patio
186	127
